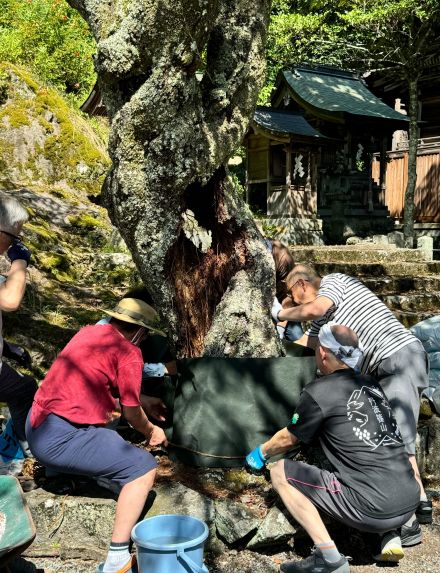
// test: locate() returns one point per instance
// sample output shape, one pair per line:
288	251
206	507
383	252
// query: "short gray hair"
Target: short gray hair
12	213
304	272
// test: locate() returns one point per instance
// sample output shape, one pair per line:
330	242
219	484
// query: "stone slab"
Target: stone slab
70	525
275	529
234	521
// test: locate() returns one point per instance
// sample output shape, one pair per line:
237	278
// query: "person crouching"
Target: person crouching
372	486
66	425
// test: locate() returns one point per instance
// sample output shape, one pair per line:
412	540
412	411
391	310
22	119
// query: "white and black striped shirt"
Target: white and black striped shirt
355	306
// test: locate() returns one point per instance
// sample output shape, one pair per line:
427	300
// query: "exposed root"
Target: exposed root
200	279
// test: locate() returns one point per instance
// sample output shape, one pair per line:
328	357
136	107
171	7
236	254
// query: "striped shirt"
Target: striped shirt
355	306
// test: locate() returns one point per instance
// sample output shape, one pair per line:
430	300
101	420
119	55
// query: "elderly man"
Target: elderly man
392	354
66	426
372	485
16	390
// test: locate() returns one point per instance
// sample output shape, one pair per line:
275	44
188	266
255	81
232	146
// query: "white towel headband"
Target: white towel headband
347	354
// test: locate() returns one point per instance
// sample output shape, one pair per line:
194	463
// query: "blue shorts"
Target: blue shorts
87	450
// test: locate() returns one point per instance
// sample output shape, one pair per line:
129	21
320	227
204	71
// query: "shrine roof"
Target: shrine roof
335	92
284	122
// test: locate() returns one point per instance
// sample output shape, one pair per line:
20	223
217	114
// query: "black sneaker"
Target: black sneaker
411	534
424	512
316	564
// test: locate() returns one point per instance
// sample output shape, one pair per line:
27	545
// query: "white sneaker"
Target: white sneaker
390	548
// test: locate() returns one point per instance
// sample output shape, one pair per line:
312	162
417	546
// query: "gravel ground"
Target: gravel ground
423	558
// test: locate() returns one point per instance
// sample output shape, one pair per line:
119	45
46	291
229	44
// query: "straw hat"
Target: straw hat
138	312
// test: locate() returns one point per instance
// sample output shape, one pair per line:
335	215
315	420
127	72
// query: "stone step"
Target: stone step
413	302
355	254
403	284
365	269
410	318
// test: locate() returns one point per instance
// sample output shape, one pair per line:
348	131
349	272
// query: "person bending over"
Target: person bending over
372	486
284	263
392	354
66	425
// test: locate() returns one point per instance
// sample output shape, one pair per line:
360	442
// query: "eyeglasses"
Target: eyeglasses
294	284
14	237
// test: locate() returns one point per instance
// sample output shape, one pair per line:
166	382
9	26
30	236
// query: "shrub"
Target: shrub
52	39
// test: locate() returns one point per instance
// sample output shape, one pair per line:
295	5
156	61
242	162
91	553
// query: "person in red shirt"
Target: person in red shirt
66	428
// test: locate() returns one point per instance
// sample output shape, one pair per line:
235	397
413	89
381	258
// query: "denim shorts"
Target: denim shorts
87	450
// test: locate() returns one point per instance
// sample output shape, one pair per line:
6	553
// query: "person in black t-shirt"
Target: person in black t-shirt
372	486
392	354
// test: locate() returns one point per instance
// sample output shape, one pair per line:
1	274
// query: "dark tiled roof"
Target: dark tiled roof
337	91
283	122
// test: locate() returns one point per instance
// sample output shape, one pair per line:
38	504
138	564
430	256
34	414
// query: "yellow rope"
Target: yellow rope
206	454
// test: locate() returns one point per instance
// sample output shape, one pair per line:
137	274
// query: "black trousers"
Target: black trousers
18	391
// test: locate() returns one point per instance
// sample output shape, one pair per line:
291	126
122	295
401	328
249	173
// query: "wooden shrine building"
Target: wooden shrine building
309	156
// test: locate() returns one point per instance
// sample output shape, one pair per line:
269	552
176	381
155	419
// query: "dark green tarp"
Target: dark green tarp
226	406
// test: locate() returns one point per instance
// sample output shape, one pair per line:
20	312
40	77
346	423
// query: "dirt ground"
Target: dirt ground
423	558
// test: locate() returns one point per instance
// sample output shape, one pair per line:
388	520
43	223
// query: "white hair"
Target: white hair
12	213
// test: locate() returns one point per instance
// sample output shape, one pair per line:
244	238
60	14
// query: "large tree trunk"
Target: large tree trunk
408	212
168	192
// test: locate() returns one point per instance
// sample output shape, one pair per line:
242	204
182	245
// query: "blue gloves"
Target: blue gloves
18	251
255	460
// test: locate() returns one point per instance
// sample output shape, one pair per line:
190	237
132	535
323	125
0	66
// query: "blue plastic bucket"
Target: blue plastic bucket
170	544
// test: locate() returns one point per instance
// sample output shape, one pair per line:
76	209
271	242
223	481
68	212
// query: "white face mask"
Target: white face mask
138	336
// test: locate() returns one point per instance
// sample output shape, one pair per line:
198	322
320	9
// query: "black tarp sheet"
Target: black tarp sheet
224	407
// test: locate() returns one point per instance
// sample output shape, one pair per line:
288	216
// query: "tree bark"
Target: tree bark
190	234
413	114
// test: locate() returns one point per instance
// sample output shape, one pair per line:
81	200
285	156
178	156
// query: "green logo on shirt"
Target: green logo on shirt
295	418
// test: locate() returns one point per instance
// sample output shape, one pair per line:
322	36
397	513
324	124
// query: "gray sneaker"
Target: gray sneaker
316	564
411	534
390	548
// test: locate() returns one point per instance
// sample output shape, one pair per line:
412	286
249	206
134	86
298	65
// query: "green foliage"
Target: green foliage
50	37
357	34
396	35
4	79
301	35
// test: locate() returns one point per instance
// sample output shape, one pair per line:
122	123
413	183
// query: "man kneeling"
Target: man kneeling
372	487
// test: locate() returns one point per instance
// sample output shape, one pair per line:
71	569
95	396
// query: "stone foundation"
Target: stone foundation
293	230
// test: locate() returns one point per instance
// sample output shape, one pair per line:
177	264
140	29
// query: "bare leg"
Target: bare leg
413	462
130	504
299	506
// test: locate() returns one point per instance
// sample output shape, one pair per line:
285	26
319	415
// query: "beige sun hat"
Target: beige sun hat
138	312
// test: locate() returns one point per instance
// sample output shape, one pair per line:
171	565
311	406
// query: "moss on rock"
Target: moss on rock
58	144
86	221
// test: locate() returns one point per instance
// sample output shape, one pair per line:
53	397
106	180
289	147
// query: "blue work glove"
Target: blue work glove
276	307
17	251
255	460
